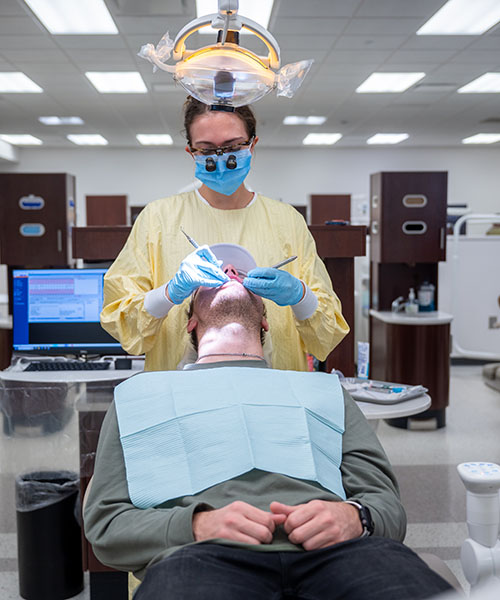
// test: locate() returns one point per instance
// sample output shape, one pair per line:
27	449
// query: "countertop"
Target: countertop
435	317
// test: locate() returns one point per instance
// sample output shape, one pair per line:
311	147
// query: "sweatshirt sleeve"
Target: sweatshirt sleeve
367	475
122	536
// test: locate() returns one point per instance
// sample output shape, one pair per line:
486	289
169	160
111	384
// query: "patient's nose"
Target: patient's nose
232	273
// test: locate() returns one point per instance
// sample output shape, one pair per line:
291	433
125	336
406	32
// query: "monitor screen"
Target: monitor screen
56	311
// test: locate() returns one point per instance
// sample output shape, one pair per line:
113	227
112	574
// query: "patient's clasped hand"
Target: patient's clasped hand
309	508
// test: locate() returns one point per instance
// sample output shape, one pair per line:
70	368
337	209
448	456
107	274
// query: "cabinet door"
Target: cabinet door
410	216
38	212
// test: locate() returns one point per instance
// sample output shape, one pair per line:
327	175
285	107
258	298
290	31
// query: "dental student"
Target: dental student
146	287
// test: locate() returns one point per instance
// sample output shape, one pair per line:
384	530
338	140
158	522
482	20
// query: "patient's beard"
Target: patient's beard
246	310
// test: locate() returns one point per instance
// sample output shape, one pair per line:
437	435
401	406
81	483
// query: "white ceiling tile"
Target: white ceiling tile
32	42
151	26
318	8
386	26
304	42
398	8
369	43
98	42
430	57
20	26
438	42
311	26
29	55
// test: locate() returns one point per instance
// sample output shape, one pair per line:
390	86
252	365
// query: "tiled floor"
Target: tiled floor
424	458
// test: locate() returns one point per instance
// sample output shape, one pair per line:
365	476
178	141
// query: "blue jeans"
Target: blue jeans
371	568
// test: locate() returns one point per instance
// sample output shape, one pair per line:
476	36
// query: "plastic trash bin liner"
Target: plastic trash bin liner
48	535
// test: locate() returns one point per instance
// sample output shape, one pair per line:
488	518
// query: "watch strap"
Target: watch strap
364	516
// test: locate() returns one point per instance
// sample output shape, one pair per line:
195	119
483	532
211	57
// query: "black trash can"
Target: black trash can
49	544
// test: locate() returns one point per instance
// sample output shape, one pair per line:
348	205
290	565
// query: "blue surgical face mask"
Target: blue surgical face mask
224	180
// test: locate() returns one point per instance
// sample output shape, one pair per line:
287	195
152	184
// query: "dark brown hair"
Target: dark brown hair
194	108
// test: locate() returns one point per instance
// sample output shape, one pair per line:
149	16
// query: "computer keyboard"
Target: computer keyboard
66	365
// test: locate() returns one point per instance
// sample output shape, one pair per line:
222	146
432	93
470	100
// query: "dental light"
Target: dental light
225	75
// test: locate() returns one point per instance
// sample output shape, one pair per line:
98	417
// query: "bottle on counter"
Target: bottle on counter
426	297
411	307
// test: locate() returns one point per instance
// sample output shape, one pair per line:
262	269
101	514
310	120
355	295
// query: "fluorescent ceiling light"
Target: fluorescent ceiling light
489	83
87	139
154	139
14	82
321	139
387	138
463	17
257	10
74	17
482	138
122	82
311	120
382	83
61	120
21	139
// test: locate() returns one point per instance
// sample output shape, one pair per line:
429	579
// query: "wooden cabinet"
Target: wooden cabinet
407	240
330	207
337	246
408	216
37	213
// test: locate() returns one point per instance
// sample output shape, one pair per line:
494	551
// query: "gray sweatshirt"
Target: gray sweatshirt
130	539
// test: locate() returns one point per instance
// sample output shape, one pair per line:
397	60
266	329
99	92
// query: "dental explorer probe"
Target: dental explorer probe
282	263
190	239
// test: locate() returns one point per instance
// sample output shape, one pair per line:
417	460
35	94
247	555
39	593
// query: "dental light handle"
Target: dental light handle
480	554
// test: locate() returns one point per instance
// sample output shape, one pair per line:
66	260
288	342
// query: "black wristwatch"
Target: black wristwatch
365	517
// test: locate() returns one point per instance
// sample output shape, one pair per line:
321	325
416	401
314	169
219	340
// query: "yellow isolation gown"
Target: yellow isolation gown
269	229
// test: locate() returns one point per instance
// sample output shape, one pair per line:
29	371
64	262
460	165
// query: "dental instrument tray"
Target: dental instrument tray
380	392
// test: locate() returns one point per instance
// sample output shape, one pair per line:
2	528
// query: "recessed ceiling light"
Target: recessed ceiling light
257	10
14	82
387	138
311	120
74	17
61	120
489	83
482	138
321	139
154	139
21	139
383	83
121	82
87	139
463	17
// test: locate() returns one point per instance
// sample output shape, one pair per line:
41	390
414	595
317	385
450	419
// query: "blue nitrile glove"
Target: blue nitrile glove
200	268
279	286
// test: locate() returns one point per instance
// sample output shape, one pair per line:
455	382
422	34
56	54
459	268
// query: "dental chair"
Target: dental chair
480	554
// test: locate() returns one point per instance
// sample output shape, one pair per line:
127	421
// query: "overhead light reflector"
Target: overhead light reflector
14	82
387	138
154	139
489	83
122	82
257	10
74	17
87	139
385	83
463	17
311	120
21	139
482	138
61	120
321	139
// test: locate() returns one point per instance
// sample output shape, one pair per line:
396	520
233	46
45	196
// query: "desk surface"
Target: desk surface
47	377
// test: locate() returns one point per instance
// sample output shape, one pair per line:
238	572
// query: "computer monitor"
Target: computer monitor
56	311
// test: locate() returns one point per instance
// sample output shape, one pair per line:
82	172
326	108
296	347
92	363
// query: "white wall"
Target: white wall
288	174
